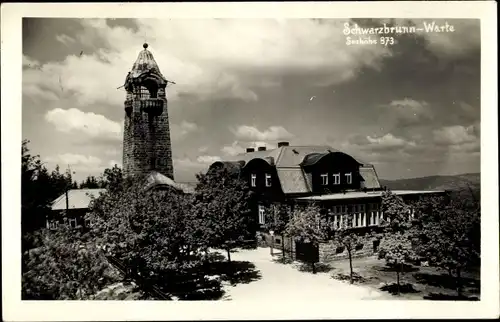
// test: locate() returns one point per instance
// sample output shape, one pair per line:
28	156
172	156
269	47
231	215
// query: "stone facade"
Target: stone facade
146	135
328	251
146	141
331	251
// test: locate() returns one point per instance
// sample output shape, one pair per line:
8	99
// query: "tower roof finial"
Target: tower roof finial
145	45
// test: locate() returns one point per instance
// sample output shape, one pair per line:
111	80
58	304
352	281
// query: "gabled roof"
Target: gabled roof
288	161
77	199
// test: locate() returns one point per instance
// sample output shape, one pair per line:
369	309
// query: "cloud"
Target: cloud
112	152
65	39
77	162
455	135
251	133
203	149
112	163
29	62
207	159
185	128
462	41
236	148
410	112
387	142
76	121
197	64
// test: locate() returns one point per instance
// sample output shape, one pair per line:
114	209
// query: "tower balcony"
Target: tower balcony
153	106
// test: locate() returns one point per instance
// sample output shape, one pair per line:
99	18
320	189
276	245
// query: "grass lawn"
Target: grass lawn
426	282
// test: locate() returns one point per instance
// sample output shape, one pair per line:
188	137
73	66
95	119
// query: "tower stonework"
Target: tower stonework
146	135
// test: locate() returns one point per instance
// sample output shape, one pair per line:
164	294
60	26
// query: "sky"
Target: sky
411	108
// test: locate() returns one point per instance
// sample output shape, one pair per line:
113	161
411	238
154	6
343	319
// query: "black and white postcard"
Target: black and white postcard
249	161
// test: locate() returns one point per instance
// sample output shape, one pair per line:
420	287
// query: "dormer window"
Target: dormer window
336	178
348	178
324	179
268	180
253	180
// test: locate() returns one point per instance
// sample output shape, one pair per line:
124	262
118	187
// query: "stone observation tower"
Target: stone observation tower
146	135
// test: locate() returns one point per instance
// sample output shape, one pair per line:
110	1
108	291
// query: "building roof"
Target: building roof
287	156
369	194
145	63
288	161
156	179
77	199
370	178
144	67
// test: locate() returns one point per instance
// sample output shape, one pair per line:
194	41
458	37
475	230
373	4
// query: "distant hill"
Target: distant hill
455	182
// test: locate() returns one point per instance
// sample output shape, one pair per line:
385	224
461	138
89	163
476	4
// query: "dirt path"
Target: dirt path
280	281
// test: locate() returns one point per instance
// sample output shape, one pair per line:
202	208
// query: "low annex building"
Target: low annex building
338	182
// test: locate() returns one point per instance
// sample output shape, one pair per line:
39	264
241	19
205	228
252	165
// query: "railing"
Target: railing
152	105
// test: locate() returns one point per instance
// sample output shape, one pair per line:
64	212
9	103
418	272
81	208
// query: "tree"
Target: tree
307	225
91	182
224	202
347	237
38	189
396	247
112	178
448	234
64	266
150	231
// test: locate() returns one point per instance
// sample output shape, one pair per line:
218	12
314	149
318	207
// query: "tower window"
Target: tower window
348	178
153	162
324	179
143	92
336	178
253	180
268	180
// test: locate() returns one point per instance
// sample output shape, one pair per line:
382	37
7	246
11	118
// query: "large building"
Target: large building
338	182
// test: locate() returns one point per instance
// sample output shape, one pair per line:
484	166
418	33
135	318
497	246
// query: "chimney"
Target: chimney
262	148
280	144
250	150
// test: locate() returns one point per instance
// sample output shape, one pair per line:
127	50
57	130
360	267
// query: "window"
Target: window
53	224
88	222
268	180
336	178
348	178
253	182
262	215
355	220
72	222
324	179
